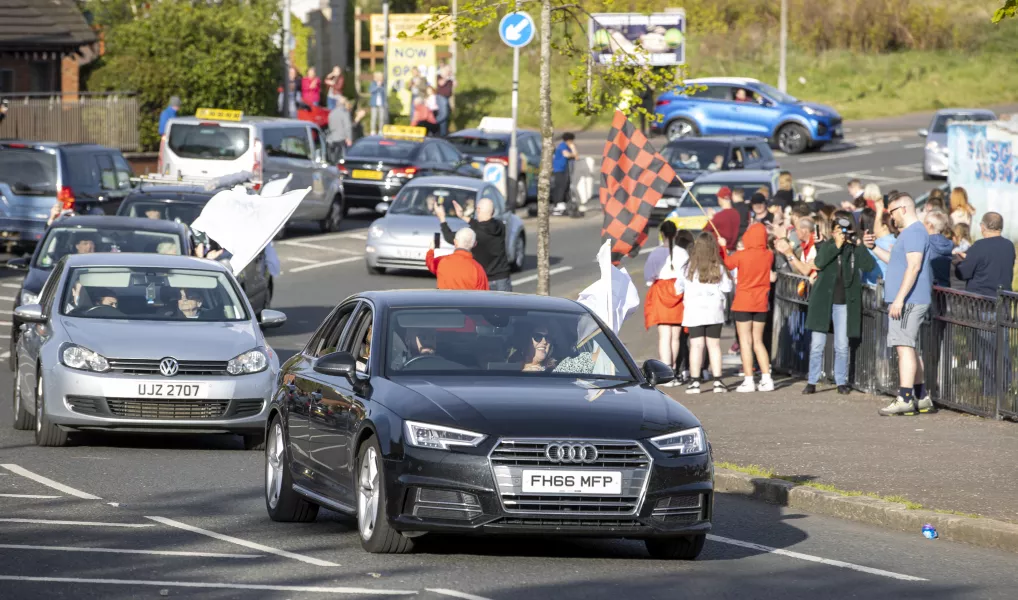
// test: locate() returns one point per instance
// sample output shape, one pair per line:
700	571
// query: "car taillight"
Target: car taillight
662	102
502	160
66	197
256	168
343	170
407	172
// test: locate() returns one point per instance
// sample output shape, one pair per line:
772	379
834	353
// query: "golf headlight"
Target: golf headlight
439	437
816	112
376	231
253	361
29	298
687	441
932	146
672	201
83	359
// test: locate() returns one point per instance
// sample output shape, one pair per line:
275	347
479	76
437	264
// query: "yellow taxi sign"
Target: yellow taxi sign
219	114
403	131
690	223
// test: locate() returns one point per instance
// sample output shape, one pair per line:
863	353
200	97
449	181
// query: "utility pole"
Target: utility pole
782	72
452	45
385	61
286	60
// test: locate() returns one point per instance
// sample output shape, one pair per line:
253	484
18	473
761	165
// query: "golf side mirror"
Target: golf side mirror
270	319
30	313
923	132
382	207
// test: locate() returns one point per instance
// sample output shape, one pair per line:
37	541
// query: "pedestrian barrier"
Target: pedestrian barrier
108	119
968	346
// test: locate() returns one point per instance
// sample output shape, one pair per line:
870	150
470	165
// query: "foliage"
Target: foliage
302	34
221	56
1008	11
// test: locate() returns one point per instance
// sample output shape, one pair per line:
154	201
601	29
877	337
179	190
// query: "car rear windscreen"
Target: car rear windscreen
696	154
367	148
478	145
208	141
181	212
28	171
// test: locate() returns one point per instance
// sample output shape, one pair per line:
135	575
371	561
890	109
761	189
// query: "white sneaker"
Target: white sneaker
719	388
766	385
746	387
693	388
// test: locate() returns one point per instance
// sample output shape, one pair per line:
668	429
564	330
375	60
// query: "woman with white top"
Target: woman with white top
704	284
663	306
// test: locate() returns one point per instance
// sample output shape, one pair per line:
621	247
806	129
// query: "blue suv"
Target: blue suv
739	106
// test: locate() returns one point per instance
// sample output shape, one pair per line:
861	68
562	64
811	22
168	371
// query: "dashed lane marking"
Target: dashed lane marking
910	168
16	286
49	482
82	523
245	543
456	594
530	278
821	184
216	586
127	551
5	323
8	298
307	261
883	183
868	175
300	244
29	496
812	159
914	146
811	558
328	263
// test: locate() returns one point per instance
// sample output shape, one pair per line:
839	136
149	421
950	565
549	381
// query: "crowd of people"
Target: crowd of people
871	237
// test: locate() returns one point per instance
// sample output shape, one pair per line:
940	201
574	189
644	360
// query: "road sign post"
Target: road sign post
516	30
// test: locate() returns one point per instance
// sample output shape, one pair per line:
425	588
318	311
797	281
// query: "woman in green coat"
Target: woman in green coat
836	298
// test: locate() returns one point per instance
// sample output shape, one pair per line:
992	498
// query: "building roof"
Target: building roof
43	26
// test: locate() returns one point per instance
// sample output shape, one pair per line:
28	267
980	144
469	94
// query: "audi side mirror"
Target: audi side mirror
337	364
657	372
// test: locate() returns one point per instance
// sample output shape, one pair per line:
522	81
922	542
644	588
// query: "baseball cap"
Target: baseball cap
725	192
758	198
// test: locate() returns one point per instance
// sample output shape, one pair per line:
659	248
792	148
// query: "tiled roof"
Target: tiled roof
43	25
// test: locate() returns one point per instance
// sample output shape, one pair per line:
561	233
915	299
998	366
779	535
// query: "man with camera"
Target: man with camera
836	299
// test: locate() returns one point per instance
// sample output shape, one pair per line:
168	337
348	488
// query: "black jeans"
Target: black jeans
560	187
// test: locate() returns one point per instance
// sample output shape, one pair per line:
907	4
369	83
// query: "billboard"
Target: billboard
660	38
406	23
404	56
982	159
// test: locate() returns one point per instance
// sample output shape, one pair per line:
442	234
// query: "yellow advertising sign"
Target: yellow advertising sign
405	23
219	114
403	131
404	57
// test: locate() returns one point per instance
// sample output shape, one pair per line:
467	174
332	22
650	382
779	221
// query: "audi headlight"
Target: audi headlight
376	231
252	361
83	359
29	298
687	441
816	112
439	437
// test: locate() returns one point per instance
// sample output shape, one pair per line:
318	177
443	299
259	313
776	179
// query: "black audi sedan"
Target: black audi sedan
484	413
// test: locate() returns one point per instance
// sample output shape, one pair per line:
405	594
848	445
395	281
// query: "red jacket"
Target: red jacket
727	224
754	264
457	271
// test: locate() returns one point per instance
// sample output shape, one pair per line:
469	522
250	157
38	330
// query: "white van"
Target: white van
215	143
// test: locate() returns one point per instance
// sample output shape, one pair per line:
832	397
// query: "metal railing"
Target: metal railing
969	346
109	119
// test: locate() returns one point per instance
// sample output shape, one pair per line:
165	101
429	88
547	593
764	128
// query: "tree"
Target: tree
607	83
1008	11
216	55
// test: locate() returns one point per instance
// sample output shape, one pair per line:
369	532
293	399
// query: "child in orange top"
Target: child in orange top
749	308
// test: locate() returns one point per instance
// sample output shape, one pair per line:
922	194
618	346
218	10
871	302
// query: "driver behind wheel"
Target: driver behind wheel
105	302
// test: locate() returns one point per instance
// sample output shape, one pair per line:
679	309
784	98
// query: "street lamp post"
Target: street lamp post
782	73
286	60
385	62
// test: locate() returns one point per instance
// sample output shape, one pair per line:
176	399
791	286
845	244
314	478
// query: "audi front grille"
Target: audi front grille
510	457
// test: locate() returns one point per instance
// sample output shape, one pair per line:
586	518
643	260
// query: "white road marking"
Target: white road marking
328	263
883	183
217	586
530	278
8	298
31	496
5	355
126	551
49	482
5	323
910	168
337	236
82	523
16	286
300	244
245	543
867	175
810	159
820	184
307	261
811	558
913	146
456	594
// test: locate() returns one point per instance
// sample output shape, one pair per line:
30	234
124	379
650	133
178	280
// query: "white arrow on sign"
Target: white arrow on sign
514	32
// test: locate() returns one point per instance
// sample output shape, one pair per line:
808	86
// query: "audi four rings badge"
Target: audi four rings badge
571	453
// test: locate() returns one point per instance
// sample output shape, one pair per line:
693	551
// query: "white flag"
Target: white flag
243	223
614	296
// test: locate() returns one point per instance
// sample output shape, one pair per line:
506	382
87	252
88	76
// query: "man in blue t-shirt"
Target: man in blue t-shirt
908	285
565	153
168	113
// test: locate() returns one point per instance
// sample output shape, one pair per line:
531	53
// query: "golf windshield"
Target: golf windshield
501	342
422	199
61	241
151	294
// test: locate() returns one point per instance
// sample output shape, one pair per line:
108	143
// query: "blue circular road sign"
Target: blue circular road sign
493	173
516	29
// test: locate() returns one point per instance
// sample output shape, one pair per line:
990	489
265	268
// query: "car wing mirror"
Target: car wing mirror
382	207
30	313
18	264
269	319
923	132
337	364
657	372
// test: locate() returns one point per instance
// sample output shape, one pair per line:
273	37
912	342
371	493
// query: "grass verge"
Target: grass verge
765	473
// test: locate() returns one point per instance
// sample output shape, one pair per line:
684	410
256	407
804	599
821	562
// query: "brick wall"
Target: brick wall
22	74
69	78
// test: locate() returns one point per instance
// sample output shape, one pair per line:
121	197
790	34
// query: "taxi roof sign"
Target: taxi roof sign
219	114
493	124
404	132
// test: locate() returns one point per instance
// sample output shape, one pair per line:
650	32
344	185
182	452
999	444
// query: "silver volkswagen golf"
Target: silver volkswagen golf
143	342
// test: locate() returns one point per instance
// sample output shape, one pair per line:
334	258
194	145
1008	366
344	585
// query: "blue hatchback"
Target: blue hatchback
738	106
